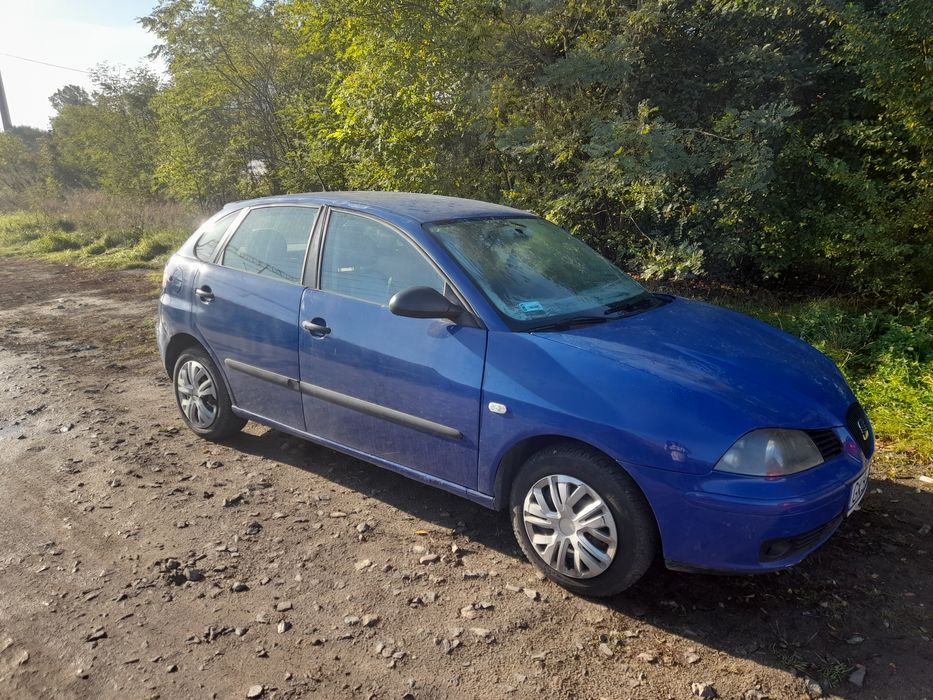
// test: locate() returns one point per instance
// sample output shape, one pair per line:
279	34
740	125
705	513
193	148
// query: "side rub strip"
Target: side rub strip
347	401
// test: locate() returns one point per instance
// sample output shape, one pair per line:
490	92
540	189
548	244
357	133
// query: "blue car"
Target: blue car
489	353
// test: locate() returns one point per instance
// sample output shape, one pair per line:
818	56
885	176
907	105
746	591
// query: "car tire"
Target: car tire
603	513
202	398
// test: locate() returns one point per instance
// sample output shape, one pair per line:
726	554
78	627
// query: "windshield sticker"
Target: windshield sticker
530	306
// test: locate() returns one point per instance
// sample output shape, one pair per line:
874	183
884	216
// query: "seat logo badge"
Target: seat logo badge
863	427
499	408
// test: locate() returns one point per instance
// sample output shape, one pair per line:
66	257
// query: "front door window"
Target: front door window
367	260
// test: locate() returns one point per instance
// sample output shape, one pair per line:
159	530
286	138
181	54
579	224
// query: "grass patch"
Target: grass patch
83	248
96	230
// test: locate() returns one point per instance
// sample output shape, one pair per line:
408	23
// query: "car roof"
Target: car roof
421	208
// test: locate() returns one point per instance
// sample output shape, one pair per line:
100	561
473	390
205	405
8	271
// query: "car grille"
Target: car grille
827	442
855	414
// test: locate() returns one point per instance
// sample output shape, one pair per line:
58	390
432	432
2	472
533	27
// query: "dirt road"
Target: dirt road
138	561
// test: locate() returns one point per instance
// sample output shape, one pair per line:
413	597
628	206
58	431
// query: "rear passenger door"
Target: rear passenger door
246	308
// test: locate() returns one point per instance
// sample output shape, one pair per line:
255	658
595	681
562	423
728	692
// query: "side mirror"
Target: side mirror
423	302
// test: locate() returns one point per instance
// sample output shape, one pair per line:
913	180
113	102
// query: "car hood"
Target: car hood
773	378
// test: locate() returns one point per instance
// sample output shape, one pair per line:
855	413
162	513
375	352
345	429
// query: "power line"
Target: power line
45	63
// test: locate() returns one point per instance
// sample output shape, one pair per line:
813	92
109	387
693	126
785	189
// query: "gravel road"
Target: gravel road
137	561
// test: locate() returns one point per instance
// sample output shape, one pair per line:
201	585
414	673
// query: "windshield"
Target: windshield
534	272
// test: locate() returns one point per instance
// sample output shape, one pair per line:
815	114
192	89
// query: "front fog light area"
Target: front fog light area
770	452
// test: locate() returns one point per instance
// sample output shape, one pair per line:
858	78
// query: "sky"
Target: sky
73	33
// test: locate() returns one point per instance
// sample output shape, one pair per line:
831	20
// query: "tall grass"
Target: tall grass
97	230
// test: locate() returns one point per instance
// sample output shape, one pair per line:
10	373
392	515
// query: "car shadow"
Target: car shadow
864	598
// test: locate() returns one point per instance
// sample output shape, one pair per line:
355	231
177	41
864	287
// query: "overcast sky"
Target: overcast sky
73	33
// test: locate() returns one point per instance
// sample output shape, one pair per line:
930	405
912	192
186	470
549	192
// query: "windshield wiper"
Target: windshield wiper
569	323
635	303
642	301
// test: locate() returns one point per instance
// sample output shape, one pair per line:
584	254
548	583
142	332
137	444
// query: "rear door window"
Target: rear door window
272	241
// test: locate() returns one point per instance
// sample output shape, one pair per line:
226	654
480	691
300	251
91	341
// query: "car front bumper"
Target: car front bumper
724	523
742	538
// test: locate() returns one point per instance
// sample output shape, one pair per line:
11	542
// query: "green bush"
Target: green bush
20	227
154	246
53	242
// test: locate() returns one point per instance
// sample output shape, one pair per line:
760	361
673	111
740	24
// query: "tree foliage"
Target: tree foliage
107	140
785	142
883	181
226	123
22	159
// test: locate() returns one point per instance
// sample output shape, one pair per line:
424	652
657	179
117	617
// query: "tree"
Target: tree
880	163
69	95
22	165
656	129
407	99
106	140
763	141
235	73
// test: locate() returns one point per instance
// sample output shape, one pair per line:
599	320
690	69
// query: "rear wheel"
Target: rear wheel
202	397
582	520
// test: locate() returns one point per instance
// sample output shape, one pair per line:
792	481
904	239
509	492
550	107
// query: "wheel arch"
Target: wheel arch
176	346
516	455
185	341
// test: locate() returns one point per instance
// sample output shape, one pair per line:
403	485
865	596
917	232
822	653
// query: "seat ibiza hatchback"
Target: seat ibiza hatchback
487	352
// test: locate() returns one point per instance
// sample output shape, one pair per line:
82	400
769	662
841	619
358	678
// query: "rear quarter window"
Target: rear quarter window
212	234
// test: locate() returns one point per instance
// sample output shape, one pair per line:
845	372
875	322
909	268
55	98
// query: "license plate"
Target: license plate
858	492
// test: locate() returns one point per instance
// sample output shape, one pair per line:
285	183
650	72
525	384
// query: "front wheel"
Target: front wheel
202	397
582	520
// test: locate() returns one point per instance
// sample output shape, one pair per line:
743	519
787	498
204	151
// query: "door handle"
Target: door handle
317	329
204	294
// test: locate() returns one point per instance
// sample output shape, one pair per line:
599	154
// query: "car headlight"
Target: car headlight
770	452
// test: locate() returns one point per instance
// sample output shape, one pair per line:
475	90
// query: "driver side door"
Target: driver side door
404	390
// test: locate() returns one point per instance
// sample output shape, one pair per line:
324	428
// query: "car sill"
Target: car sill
347	401
482	499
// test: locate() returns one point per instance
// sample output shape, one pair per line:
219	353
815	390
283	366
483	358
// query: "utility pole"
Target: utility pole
4	109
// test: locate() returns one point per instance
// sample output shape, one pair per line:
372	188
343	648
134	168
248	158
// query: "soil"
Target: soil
139	561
